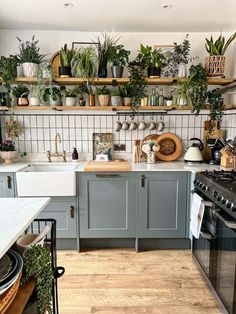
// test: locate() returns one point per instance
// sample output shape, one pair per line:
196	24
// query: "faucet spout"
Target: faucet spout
57	140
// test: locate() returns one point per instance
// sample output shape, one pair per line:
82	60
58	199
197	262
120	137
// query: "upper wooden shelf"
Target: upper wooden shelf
123	80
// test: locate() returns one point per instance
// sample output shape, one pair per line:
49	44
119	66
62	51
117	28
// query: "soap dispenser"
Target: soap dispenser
75	155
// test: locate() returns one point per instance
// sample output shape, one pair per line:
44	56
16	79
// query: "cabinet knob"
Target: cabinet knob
72	211
9	182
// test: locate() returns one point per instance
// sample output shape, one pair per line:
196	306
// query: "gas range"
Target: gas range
219	187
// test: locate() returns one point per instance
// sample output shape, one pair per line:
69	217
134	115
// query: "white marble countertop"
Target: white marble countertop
16	214
143	166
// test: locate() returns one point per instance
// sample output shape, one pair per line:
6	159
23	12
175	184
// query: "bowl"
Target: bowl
25	242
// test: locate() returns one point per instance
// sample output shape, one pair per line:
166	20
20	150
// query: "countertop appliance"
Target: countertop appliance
215	250
215	146
194	153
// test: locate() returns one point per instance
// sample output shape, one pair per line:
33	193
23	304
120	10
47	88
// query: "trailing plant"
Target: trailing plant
13	129
72	92
181	51
149	57
105	44
45	72
20	90
218	47
216	104
37	264
103	91
119	56
8	68
29	51
66	56
137	82
85	63
8	146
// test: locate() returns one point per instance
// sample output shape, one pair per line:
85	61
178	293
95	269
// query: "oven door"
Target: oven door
225	263
203	247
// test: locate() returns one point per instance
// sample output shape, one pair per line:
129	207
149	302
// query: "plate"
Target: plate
170	147
55	60
150	137
5	266
12	269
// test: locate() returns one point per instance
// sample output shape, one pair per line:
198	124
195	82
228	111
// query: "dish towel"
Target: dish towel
197	212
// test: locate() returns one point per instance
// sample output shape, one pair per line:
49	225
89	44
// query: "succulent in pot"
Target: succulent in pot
66	56
116	99
8	152
21	92
71	95
30	56
119	57
104	96
152	59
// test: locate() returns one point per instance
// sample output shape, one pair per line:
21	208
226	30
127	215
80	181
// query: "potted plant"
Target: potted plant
84	63
126	92
137	82
34	95
182	93
45	72
71	95
119	57
215	63
105	44
82	100
169	99
181	56
53	94
21	92
8	69
30	56
152	59
66	56
116	99
104	96
8	152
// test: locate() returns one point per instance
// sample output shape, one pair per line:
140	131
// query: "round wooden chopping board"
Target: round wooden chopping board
55	60
171	147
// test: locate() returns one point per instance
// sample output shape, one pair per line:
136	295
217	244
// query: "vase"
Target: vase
182	70
8	156
117	71
34	101
104	100
30	69
70	101
116	100
91	100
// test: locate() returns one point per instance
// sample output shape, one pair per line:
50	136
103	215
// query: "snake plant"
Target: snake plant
66	56
219	47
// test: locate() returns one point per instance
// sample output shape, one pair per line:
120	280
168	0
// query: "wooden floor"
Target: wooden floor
116	281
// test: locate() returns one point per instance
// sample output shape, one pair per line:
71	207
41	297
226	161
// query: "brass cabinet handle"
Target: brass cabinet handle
72	211
9	182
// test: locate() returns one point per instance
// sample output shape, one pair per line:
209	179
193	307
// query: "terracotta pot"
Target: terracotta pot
8	156
104	100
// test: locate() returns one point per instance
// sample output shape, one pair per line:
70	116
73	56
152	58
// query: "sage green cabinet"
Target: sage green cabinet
64	210
7	187
107	205
162	204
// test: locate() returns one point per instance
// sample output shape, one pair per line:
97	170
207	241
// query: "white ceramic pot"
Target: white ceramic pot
116	100
70	101
30	69
8	156
182	70
57	102
34	101
169	102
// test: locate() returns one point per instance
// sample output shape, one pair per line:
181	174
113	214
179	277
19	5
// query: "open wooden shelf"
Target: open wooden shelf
21	298
123	80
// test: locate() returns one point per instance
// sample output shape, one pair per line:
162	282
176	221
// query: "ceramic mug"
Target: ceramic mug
152	126
161	126
142	125
133	126
118	126
125	125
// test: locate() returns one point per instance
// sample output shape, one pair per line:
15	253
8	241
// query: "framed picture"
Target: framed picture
84	44
171	70
102	144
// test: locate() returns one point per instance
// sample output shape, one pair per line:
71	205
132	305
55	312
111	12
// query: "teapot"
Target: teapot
194	152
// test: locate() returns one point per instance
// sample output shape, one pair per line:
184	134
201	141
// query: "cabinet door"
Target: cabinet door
162	204
64	211
107	205
6	185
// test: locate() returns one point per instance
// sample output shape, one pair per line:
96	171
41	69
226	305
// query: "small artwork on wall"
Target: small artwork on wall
102	144
171	70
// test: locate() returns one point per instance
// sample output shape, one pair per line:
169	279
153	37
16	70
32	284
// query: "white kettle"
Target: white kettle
194	153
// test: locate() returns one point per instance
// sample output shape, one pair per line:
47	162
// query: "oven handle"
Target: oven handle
206	235
229	224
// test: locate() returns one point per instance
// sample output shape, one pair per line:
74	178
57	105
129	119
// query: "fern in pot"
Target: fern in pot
104	96
116	99
66	56
30	56
119	57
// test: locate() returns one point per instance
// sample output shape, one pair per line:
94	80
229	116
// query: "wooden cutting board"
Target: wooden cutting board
107	166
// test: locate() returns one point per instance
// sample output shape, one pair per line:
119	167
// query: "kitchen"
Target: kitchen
126	162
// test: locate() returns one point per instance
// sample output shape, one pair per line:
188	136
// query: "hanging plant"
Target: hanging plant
13	128
37	265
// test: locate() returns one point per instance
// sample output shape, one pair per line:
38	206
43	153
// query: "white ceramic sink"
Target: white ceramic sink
47	180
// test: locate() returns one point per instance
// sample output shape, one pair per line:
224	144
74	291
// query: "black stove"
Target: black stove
220	187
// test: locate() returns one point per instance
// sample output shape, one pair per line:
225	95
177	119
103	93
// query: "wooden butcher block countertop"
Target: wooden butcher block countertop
107	166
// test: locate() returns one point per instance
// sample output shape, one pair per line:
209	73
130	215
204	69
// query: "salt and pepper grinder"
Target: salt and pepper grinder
75	155
137	151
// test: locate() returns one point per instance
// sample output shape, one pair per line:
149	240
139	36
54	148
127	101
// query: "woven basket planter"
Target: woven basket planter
215	65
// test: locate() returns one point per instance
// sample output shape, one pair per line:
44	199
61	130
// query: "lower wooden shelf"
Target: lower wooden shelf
22	298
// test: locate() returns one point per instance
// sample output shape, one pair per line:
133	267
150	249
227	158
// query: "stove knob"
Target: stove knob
219	198
232	207
223	200
214	194
205	187
200	185
228	204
